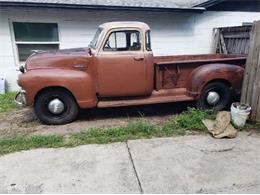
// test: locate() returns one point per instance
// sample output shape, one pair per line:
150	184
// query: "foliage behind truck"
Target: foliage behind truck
119	69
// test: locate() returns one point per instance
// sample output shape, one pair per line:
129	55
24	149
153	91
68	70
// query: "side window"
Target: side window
116	40
148	40
123	41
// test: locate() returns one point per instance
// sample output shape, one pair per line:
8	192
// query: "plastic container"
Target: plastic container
2	84
239	113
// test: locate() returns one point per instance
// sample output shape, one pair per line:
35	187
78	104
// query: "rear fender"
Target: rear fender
79	83
204	74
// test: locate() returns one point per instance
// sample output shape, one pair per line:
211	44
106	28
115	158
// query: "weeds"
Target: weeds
188	120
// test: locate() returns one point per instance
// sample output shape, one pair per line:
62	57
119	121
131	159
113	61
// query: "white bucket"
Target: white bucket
239	113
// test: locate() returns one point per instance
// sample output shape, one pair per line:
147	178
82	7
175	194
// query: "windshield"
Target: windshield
94	43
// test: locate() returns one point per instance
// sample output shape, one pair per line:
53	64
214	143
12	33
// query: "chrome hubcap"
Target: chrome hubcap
213	98
56	106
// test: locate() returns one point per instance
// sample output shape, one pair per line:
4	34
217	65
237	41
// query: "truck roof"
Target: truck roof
125	24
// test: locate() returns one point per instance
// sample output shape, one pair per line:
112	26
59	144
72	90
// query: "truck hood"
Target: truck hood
65	59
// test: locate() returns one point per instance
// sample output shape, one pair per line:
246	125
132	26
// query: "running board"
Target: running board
161	96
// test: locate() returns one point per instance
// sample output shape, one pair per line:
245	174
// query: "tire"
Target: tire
43	113
224	93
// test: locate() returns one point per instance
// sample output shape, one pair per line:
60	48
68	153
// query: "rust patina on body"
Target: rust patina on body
108	76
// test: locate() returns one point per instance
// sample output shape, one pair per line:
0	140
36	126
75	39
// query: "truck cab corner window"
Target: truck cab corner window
95	41
123	41
148	40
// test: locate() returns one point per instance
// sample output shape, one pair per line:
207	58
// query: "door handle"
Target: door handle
79	66
138	58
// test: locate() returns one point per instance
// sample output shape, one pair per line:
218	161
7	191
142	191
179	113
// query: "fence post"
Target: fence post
251	83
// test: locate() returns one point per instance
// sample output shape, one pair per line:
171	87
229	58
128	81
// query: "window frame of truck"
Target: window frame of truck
127	47
15	43
109	31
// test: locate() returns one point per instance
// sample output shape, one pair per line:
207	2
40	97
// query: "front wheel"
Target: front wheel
55	107
215	95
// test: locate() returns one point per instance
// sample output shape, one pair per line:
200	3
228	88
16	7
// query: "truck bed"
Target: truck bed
174	71
212	58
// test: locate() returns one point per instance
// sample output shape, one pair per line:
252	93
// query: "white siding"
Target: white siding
7	61
172	33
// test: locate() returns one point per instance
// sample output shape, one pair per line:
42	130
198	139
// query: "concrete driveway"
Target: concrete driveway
189	164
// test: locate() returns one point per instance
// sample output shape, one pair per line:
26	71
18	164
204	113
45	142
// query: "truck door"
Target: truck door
121	65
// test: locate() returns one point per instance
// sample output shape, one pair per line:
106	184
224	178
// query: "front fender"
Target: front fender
79	83
202	75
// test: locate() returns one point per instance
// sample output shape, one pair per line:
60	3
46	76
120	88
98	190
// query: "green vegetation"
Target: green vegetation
7	102
182	124
188	120
249	126
8	145
178	125
134	130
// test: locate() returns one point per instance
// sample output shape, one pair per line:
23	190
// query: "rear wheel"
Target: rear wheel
215	95
55	107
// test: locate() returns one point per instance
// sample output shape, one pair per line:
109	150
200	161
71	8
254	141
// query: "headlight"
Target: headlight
20	99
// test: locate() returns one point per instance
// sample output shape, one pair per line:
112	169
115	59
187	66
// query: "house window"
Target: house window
35	36
123	41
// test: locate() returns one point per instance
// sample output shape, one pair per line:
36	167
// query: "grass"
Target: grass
8	145
188	120
178	125
248	126
7	102
134	130
181	124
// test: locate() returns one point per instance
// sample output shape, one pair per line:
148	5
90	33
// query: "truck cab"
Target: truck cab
124	59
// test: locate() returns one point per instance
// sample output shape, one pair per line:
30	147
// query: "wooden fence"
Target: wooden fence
232	40
251	84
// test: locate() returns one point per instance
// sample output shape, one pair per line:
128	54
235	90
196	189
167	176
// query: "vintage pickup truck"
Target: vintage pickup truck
119	69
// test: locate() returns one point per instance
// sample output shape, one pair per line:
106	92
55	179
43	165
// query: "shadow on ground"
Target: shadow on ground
135	111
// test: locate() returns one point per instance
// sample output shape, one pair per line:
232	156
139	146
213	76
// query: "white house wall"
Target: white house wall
172	33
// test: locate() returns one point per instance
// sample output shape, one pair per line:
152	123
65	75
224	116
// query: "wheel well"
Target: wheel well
221	81
54	88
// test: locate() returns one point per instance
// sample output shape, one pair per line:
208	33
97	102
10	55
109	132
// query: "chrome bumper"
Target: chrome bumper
20	99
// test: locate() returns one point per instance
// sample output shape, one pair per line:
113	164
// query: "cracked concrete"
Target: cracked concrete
83	169
135	171
188	164
198	164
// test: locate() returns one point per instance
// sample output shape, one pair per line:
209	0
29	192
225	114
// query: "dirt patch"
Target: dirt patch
18	122
24	122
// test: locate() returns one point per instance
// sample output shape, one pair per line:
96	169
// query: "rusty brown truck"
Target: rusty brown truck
119	69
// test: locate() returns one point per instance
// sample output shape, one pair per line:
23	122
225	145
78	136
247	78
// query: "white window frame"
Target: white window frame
15	43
